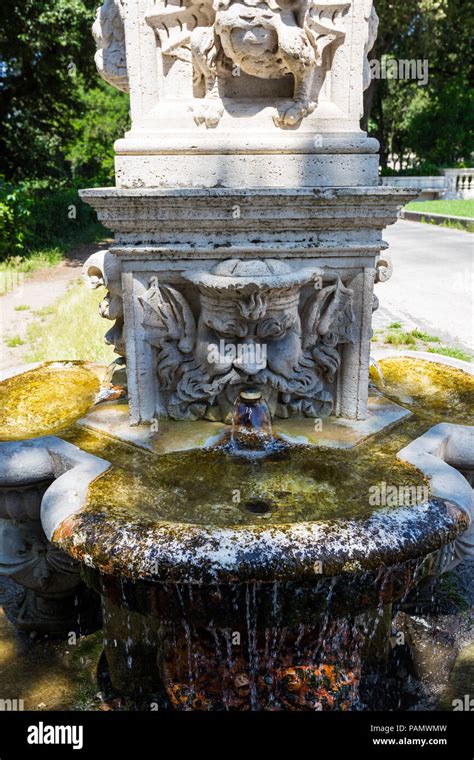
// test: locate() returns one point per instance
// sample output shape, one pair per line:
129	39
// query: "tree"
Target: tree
47	73
431	124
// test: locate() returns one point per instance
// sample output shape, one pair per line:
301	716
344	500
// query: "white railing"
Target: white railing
459	183
456	183
422	183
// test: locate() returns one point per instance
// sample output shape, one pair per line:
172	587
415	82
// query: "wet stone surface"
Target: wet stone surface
216	488
45	400
431	390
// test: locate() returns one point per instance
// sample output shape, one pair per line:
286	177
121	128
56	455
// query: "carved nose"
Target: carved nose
251	363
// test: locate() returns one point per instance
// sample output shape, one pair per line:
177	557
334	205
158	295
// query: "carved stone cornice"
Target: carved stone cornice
164	215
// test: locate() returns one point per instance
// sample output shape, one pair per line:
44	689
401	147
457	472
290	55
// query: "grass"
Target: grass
14	341
32	261
450	208
420	335
400	339
70	329
51	255
455	353
22	307
417	340
45	311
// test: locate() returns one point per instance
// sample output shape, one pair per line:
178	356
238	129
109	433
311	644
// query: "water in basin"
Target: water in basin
430	389
45	400
212	487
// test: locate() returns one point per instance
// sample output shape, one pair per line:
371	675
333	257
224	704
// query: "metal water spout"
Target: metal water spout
251	421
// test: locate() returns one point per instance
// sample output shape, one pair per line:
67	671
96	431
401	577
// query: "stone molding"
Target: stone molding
443	453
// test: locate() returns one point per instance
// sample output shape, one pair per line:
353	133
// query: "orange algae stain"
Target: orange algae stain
301	687
321	687
64	532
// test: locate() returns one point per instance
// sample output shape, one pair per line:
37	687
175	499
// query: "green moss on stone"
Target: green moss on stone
45	400
430	389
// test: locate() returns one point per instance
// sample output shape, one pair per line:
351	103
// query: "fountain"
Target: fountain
253	508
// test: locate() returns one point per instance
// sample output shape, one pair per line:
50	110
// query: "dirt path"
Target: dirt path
36	292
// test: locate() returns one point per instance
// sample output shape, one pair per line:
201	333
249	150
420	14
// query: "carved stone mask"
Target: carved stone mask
250	330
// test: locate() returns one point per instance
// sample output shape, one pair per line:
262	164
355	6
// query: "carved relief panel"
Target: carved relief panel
252	326
232	54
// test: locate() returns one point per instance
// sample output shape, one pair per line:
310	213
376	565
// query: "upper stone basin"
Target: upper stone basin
292	520
216	489
433	389
45	399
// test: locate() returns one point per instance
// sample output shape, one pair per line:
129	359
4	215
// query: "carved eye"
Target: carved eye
227	330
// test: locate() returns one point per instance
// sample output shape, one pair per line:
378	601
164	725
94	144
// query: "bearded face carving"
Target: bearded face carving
250	330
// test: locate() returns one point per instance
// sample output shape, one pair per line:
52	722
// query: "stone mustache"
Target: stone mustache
293	352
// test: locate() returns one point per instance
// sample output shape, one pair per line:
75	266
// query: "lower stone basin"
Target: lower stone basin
263	584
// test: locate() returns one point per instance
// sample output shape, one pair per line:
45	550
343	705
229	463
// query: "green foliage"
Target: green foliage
451	109
37	215
425	127
45	45
104	117
14	215
59	123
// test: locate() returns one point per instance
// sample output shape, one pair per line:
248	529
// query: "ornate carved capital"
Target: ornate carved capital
268	40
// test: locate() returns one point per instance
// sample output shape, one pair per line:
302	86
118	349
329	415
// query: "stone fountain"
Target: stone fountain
247	221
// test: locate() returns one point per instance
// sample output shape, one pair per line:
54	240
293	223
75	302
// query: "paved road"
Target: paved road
432	285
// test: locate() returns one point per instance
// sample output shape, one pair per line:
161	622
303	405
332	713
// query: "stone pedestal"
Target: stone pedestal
278	646
247	214
283	275
56	601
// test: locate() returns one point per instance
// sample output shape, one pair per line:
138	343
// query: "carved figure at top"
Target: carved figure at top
109	35
268	39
